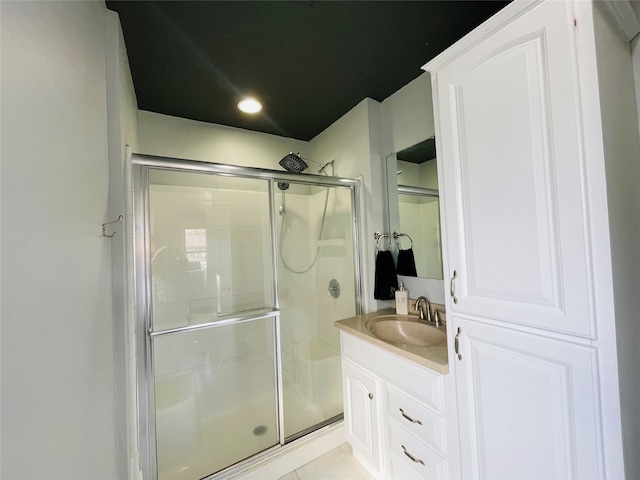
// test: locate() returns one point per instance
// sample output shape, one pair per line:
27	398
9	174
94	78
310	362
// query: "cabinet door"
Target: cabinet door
513	184
527	405
361	412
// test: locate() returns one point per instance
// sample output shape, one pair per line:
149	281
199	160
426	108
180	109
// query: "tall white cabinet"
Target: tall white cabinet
537	152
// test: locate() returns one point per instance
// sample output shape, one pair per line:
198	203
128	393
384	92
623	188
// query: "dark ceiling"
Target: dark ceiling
307	62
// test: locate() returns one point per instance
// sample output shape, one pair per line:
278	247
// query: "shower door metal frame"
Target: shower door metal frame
145	405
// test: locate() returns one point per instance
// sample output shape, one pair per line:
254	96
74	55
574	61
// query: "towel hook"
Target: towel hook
378	236
397	235
104	227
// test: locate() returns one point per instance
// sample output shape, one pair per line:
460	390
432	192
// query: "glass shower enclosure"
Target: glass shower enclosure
240	274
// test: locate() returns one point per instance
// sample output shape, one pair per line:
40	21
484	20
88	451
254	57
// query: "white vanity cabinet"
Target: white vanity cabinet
536	236
393	413
362	425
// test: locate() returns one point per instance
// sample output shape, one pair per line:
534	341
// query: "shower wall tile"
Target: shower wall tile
221	208
217	221
247	219
174	200
250	198
223	196
239	234
205	195
158	219
205	206
195	284
220	234
246	302
191	206
158	194
159	242
190	195
193	221
231	196
249	284
256	197
238	244
175	220
241	209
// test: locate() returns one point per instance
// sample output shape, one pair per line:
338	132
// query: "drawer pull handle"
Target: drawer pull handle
409	418
414	459
371	396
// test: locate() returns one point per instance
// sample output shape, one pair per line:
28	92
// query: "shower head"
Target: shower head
283	186
294	163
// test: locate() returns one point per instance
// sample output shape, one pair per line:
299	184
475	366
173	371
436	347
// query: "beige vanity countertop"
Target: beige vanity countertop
433	358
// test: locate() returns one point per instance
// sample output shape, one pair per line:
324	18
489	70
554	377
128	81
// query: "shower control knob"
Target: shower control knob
334	288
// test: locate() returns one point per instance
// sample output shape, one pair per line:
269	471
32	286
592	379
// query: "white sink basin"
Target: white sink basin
405	330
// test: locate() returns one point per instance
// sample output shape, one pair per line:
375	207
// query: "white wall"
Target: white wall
408	115
57	332
353	141
635	53
408	119
122	119
622	154
175	137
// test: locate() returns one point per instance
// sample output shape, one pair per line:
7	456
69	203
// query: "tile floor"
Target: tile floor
338	464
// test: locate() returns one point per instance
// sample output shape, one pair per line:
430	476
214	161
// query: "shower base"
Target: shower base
219	441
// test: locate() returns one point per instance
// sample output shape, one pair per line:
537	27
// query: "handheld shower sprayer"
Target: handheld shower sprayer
323	168
294	163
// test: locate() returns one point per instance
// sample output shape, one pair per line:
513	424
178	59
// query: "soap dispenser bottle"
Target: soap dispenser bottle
402	300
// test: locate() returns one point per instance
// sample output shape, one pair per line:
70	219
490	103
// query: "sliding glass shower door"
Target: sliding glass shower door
315	287
237	350
212	321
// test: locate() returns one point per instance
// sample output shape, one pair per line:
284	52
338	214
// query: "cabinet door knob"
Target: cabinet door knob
371	396
408	454
457	344
452	286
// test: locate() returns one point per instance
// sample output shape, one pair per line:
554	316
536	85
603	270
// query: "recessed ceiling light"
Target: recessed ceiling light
250	105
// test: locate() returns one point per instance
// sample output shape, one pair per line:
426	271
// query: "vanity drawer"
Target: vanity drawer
400	470
416	418
407	454
414	379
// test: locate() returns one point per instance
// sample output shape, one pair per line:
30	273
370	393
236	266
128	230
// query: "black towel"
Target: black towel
386	281
407	263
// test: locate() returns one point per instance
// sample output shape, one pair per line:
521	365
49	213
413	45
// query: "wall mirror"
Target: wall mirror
414	210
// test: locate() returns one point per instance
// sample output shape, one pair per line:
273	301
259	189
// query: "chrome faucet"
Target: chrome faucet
423	316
